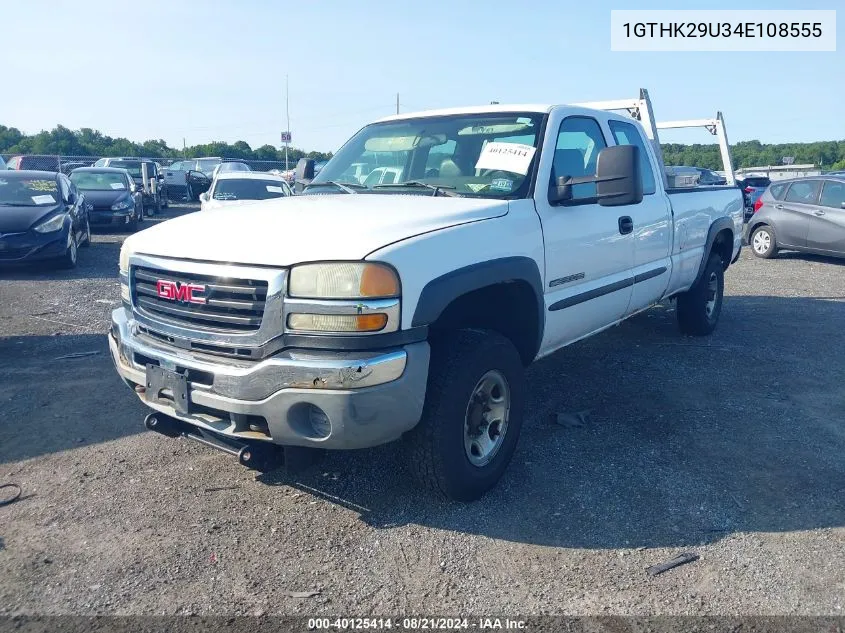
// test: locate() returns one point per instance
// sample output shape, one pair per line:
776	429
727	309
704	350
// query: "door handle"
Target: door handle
778	206
626	224
818	212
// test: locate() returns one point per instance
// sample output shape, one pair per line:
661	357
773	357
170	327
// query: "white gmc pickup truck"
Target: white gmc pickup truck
408	306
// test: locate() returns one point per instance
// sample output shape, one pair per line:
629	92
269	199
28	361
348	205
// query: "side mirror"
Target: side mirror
204	197
618	179
71	198
305	169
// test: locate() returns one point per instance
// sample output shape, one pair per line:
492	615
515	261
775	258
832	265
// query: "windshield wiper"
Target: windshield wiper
435	189
346	187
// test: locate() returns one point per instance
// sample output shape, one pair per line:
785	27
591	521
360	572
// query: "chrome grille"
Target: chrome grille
231	305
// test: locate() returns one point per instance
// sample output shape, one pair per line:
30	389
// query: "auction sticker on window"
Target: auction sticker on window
274	189
117	185
511	157
45	199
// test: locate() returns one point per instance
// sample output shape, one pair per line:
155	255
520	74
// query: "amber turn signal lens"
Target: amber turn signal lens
371	322
337	322
379	281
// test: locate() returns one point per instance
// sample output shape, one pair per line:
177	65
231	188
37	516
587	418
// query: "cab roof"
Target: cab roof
482	109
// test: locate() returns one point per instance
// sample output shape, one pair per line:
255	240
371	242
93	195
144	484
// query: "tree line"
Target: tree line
87	142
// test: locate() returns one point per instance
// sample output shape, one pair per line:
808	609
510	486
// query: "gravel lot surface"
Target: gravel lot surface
732	447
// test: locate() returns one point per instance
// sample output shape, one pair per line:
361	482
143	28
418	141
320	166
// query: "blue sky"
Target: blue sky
215	70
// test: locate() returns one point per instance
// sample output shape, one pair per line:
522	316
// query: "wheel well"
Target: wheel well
510	308
723	246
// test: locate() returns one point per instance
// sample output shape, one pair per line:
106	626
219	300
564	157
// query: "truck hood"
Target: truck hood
286	231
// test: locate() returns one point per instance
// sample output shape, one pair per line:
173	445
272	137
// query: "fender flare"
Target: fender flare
719	225
441	291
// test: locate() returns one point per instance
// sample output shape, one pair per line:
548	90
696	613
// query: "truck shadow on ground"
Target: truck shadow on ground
687	439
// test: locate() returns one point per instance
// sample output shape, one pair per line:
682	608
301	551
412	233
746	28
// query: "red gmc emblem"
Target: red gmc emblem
175	291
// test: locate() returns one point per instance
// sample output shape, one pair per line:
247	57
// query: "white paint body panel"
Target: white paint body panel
295	229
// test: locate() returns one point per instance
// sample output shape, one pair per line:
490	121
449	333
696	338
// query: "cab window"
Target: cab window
579	141
627	134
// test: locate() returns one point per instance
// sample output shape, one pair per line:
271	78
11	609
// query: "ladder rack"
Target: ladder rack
641	109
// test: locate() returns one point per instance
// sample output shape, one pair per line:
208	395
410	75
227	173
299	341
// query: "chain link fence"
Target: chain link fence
66	164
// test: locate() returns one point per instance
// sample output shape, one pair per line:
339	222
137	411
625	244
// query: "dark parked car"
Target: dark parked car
153	202
806	214
42	217
710	178
41	163
111	194
752	188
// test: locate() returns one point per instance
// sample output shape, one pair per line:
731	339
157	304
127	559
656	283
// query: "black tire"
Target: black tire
437	455
700	306
86	241
165	201
69	259
766	237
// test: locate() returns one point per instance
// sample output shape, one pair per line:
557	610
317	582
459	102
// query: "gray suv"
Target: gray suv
806	214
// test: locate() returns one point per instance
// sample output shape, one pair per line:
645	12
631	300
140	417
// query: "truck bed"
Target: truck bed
694	210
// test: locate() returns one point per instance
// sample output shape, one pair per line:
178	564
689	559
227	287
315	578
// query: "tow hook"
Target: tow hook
260	456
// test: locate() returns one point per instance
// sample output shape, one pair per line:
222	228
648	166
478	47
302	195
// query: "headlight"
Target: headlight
124	260
123	204
343	280
53	224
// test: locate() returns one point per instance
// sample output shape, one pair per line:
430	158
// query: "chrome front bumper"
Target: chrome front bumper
368	398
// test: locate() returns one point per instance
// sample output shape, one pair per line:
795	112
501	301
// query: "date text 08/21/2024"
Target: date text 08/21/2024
415	624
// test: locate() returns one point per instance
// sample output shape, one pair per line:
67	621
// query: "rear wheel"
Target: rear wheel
700	306
763	242
472	414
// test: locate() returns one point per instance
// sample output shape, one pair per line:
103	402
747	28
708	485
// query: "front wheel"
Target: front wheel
700	306
763	242
472	414
86	241
69	259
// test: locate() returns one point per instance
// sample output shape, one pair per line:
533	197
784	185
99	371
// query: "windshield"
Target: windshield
487	154
225	167
208	165
133	167
28	192
248	189
94	181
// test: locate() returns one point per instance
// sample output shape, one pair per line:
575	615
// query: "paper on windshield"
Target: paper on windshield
45	199
511	157
117	185
275	189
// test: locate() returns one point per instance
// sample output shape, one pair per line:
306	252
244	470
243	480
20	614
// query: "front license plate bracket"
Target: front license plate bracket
168	387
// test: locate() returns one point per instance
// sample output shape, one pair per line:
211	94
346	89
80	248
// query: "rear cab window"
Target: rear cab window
628	134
